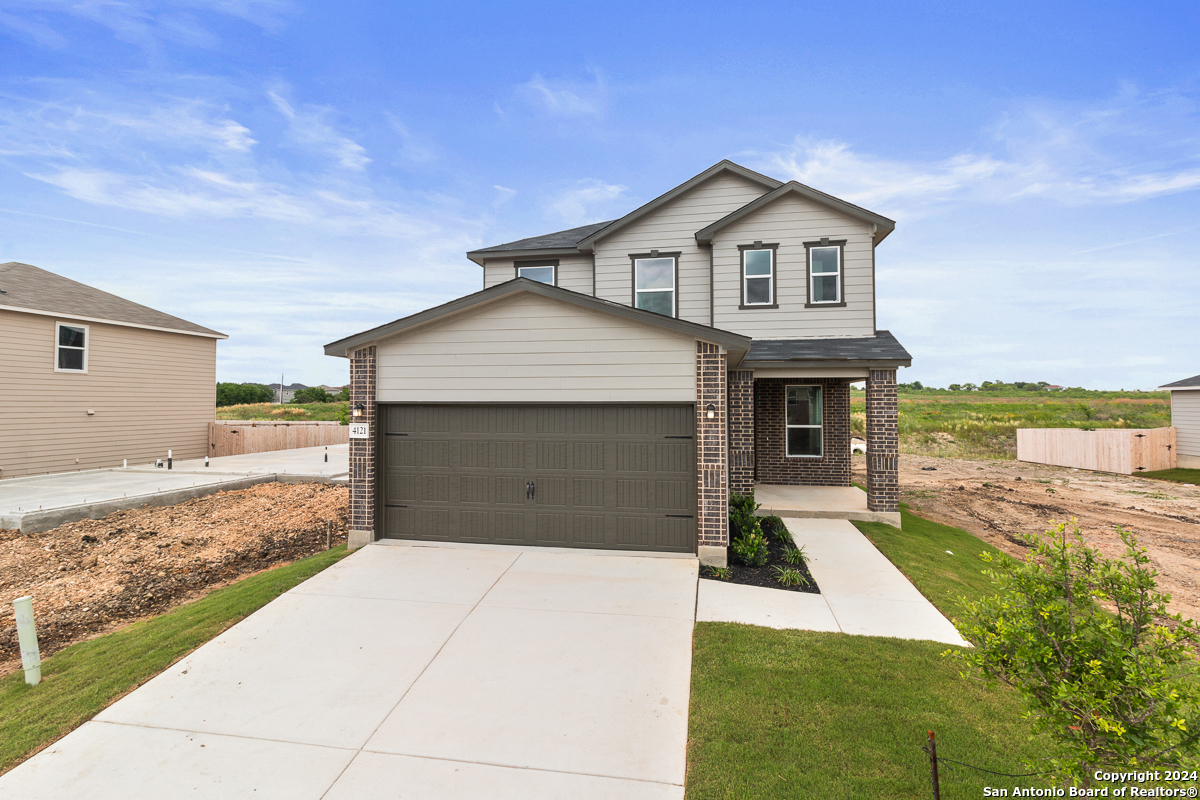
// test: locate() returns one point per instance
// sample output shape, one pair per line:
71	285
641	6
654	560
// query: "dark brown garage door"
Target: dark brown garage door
599	476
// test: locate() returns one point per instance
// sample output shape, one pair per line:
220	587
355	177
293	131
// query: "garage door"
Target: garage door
597	476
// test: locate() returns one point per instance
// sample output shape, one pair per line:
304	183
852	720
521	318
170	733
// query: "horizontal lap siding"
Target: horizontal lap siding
673	228
152	391
574	272
1185	416
533	349
791	221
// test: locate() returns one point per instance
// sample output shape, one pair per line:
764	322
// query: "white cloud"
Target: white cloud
308	128
589	201
566	98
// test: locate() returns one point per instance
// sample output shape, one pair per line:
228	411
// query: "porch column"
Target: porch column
362	451
712	490
741	431
883	442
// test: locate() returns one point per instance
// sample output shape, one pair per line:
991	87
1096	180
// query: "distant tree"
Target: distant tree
969	387
232	394
344	394
313	394
954	387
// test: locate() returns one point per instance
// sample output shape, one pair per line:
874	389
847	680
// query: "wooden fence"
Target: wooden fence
236	437
1126	451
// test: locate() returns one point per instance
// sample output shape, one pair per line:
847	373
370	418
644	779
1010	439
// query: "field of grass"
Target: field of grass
1191	476
984	425
79	682
286	411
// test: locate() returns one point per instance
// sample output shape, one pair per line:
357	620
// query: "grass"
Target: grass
1191	476
80	681
805	714
984	425
327	412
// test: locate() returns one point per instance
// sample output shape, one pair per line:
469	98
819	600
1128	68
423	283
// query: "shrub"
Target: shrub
313	394
795	555
719	572
741	513
787	576
1113	690
750	549
778	531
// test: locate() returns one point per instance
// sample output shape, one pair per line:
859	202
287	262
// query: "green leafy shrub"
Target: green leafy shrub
313	394
1113	690
751	549
795	555
741	513
787	576
723	573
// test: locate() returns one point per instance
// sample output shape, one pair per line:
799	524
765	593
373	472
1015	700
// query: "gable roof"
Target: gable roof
721	168
32	290
883	225
734	342
881	348
1187	383
558	241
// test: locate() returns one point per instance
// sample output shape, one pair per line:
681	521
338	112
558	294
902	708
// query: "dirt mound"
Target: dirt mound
90	576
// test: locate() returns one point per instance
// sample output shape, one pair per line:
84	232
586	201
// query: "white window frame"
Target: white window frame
553	267
87	343
840	275
821	427
674	259
769	277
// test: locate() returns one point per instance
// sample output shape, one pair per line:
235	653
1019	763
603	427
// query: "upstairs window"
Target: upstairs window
541	271
654	283
825	273
802	422
71	352
758	275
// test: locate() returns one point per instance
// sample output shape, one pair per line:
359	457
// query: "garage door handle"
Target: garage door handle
528	489
533	490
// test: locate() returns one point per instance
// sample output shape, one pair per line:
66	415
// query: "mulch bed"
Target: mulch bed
765	575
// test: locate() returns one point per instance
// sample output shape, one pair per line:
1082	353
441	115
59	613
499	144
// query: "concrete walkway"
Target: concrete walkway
416	672
41	502
862	592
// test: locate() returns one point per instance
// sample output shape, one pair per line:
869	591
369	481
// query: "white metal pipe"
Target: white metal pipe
31	658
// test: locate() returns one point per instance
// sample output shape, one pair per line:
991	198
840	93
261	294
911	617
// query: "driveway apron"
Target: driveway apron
415	672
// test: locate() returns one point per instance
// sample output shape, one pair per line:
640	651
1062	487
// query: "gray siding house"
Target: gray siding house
611	384
1185	416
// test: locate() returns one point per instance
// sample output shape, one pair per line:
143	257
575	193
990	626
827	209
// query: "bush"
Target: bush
786	576
741	513
795	555
750	549
236	394
1113	690
344	394
313	394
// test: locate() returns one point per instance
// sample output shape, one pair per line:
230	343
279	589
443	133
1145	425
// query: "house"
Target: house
1185	416
289	391
611	384
91	379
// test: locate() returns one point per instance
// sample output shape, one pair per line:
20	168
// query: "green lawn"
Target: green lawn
1191	476
804	714
80	681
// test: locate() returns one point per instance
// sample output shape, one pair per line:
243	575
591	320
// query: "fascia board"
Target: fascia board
883	225
104	321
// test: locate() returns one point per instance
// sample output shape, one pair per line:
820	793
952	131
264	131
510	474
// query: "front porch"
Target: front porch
819	502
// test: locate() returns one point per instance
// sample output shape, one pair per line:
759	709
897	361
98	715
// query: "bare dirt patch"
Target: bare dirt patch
90	576
1000	500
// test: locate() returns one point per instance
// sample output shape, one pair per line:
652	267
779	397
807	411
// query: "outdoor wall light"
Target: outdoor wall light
359	408
712	410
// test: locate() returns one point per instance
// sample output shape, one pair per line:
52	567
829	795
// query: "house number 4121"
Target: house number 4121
360	430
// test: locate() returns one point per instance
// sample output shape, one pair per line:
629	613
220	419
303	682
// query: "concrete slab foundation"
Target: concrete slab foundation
819	502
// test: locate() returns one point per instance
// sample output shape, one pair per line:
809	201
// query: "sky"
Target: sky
290	173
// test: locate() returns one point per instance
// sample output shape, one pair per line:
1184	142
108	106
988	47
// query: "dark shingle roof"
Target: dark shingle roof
548	241
1186	383
880	347
28	287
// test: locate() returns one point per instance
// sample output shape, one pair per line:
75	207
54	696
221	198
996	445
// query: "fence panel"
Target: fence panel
238	437
1122	450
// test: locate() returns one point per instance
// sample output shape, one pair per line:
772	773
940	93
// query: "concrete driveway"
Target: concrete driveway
414	672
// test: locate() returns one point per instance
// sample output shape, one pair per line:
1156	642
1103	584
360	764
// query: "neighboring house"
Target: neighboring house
612	383
90	379
1185	416
289	391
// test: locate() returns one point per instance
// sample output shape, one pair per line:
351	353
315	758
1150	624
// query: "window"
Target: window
758	275
802	421
71	355
825	272
654	283
541	271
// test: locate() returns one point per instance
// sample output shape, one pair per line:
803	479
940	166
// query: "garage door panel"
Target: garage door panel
632	494
634	421
475	454
509	526
587	530
402	488
672	534
475	526
402	452
673	421
553	529
553	456
588	492
475	490
552	492
509	455
633	457
672	496
587	456
635	531
587	421
436	454
673	457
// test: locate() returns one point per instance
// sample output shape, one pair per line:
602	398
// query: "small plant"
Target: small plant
787	576
751	549
795	555
779	532
741	513
722	573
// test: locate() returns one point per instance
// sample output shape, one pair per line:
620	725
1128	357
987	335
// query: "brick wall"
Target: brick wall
883	441
712	502
770	443
741	431
362	451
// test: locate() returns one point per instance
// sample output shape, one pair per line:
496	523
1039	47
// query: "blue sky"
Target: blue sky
291	173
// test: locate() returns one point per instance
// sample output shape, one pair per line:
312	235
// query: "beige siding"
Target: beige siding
790	222
574	272
533	349
151	391
1185	416
672	228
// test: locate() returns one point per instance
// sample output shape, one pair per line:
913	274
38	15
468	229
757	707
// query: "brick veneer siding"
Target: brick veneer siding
883	441
362	451
770	442
712	499
741	431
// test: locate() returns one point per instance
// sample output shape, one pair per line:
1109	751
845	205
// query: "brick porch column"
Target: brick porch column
362	451
883	442
741	431
712	500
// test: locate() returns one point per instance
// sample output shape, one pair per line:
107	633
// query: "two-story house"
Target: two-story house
611	384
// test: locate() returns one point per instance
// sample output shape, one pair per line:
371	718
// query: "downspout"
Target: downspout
711	281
